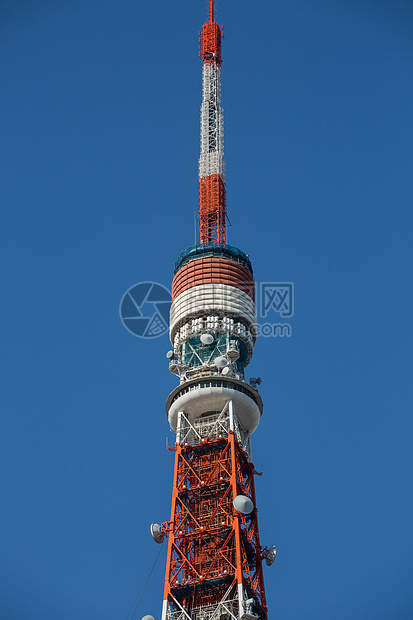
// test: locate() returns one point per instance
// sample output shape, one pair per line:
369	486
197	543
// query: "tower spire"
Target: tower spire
211	11
212	190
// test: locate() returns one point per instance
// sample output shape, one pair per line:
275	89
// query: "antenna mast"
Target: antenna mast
212	190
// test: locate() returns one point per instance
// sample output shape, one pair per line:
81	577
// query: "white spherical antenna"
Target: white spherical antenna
156	533
270	557
148	618
207	339
243	504
225	370
220	362
170	355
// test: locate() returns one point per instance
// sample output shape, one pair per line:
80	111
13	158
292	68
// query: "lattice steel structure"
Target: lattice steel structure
212	190
214	567
214	558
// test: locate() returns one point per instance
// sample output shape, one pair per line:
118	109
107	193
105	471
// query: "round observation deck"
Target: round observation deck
203	396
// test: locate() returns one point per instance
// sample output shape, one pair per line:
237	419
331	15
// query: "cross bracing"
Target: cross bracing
213	551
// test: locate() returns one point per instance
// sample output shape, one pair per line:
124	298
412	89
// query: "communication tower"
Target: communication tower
214	557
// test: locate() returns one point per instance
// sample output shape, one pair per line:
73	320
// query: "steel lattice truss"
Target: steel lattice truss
211	159
213	548
212	190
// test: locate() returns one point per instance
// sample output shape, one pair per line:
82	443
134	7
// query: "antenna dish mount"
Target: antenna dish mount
243	504
156	533
220	362
207	339
270	557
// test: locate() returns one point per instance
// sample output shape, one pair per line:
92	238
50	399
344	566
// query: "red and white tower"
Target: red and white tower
214	558
212	193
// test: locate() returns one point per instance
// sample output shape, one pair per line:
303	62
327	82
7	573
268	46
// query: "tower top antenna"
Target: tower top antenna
212	190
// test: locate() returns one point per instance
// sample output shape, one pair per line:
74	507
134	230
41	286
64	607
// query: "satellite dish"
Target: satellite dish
225	370
170	355
148	618
220	362
243	504
156	533
207	339
270	557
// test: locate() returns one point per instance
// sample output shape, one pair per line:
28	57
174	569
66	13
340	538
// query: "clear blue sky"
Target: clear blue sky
99	147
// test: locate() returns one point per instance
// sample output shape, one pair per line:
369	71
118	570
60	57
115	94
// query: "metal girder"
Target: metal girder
213	551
